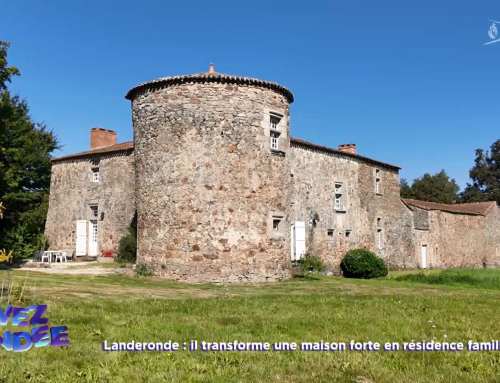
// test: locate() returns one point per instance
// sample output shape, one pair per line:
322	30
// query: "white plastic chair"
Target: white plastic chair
47	255
60	256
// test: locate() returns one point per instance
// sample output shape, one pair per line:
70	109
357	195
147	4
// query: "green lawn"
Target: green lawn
120	308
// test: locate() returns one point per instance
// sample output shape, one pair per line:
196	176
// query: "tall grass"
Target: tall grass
484	279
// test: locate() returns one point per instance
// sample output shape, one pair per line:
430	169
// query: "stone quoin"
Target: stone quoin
221	192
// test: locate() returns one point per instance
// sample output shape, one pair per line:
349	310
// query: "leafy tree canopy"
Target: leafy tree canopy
25	148
432	188
485	176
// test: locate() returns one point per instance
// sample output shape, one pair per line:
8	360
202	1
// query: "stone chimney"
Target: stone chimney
100	138
348	148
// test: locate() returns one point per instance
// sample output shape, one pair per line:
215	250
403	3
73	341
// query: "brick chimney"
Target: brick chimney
100	138
348	148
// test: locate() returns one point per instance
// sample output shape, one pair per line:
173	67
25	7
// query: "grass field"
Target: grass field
120	308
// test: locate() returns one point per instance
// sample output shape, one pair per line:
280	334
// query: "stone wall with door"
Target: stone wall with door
367	218
456	240
73	192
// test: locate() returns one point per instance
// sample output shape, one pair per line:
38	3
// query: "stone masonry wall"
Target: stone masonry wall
72	191
459	240
207	181
315	174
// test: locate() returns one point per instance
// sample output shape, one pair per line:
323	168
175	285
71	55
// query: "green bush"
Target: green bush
311	264
24	242
127	249
363	264
143	271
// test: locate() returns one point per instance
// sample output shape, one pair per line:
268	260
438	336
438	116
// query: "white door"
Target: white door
423	263
93	250
300	240
81	238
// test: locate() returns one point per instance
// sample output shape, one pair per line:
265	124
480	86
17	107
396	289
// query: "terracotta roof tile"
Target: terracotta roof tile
208	77
481	208
107	149
346	154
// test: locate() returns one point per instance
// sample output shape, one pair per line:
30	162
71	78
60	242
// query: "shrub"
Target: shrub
363	264
143	271
311	264
23	241
127	249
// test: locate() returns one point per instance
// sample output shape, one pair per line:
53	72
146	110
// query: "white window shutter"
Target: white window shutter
81	238
300	240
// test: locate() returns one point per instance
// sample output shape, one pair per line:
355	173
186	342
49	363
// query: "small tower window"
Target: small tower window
94	211
275	140
348	233
274	122
330	232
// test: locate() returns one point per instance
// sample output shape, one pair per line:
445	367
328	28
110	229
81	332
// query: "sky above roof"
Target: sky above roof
411	83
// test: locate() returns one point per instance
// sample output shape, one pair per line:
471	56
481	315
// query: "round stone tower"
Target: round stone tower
213	177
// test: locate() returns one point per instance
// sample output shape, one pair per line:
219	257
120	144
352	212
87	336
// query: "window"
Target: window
275	140
379	222
94	212
94	162
337	202
274	122
276	224
348	233
379	238
437	251
378	189
330	232
95	175
338	196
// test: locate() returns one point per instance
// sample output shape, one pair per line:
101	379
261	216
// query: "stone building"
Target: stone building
223	193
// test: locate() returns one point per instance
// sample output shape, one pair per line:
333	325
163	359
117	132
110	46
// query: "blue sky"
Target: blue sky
410	82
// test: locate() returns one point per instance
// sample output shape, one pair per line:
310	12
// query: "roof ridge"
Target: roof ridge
451	208
347	154
127	145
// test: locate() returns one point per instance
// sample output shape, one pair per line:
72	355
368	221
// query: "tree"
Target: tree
25	148
437	188
405	189
485	176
